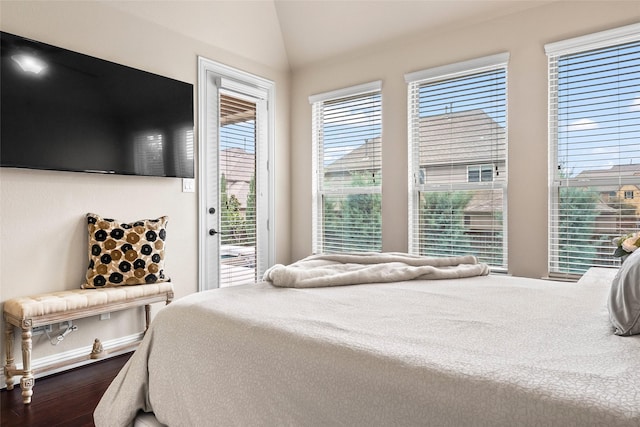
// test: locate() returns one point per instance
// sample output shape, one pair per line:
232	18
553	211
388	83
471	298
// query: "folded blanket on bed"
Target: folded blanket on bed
359	268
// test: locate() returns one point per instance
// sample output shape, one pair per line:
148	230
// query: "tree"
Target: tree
235	224
353	223
231	221
442	229
250	214
332	220
362	212
576	228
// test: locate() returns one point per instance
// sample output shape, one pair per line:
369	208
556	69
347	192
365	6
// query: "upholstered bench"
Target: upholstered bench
45	309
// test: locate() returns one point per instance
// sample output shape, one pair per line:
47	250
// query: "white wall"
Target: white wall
523	35
43	237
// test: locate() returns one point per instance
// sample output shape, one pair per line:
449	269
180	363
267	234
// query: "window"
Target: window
347	177
480	173
594	127
628	194
457	160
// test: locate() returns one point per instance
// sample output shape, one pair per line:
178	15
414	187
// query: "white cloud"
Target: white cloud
582	124
609	150
635	105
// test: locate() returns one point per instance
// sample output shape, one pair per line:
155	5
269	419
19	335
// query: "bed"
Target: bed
485	350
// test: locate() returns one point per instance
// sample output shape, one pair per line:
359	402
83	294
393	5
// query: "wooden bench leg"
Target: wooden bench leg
9	365
147	317
27	380
147	314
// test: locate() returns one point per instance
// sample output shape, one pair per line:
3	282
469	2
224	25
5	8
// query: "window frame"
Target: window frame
480	169
320	191
416	182
555	51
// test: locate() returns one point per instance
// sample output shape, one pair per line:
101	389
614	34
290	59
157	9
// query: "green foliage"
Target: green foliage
576	226
442	223
250	215
332	221
235	229
353	223
363	213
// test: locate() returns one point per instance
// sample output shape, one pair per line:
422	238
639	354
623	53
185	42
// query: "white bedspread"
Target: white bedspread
482	351
356	269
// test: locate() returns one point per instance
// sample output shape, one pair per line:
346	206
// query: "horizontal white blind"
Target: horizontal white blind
347	173
149	149
595	153
457	158
237	158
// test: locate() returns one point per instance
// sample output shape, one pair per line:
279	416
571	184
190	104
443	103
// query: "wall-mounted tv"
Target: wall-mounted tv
62	110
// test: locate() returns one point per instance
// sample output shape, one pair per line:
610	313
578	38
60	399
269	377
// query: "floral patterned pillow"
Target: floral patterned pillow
125	254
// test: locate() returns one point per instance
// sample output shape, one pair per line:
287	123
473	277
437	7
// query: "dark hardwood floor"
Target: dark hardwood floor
64	399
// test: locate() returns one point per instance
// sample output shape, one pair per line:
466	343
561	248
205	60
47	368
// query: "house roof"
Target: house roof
624	171
466	137
364	157
236	164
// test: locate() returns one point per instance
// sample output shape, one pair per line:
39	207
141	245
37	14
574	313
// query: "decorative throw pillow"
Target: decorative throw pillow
125	254
624	298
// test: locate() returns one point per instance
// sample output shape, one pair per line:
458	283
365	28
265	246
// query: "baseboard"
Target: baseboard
60	362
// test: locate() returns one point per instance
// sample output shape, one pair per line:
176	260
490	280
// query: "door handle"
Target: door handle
212	232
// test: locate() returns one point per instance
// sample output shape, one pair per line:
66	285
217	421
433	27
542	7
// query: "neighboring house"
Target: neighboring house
237	166
468	146
362	160
627	194
474	151
237	120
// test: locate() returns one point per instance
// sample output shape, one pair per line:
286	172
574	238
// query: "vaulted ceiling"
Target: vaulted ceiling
289	34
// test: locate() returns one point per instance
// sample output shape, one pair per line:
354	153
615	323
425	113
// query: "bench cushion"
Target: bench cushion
77	299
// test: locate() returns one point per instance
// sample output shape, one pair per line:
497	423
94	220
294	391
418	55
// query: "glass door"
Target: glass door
235	140
237	189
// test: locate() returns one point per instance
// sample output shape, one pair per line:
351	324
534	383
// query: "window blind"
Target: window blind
594	129
347	178
149	149
457	160
237	159
183	149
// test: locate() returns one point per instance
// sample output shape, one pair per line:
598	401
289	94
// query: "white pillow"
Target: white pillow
624	298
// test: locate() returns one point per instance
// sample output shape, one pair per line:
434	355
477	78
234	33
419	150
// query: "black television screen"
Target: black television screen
62	110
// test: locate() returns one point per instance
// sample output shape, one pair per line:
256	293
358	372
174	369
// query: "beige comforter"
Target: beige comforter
482	351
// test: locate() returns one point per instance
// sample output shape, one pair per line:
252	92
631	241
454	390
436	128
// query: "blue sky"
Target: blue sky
239	135
599	108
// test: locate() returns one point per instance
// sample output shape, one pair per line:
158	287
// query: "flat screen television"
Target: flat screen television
62	110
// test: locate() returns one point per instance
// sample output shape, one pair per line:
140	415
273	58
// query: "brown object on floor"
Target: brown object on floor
65	399
97	352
